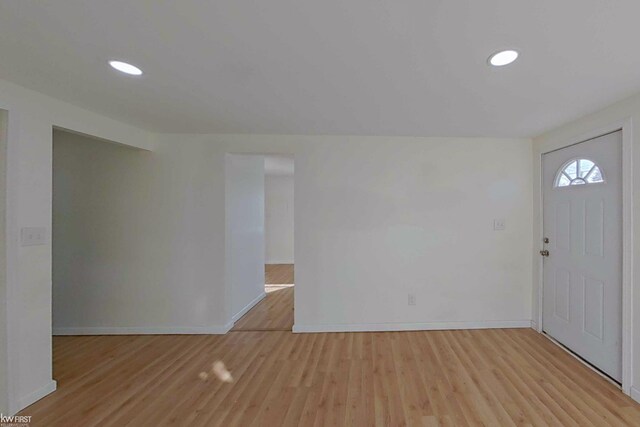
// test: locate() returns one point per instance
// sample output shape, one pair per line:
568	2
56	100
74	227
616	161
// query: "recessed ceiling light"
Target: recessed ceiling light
503	57
126	68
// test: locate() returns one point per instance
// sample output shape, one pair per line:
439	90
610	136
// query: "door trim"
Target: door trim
626	127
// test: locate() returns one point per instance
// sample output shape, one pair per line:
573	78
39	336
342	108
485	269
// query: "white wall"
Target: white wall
244	192
377	218
279	219
4	372
575	132
30	119
132	241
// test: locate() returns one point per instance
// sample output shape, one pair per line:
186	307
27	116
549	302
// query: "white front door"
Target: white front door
582	208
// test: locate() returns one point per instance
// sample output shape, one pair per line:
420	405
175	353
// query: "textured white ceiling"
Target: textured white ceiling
362	67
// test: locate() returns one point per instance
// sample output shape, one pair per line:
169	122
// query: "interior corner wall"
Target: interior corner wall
245	218
131	242
4	361
279	223
574	132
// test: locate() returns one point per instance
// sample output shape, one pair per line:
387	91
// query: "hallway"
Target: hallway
275	311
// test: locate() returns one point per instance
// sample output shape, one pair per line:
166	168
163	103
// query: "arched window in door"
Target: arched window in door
579	172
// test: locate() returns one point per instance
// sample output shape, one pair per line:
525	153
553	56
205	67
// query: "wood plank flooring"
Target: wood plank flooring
469	377
279	274
275	311
474	377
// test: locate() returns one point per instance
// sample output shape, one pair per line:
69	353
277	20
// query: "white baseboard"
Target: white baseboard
135	330
248	307
160	330
428	326
635	394
534	325
36	395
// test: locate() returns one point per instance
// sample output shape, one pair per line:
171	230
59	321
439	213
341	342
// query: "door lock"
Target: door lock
544	252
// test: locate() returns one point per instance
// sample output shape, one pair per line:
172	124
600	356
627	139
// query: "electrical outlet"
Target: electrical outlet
499	224
33	236
412	299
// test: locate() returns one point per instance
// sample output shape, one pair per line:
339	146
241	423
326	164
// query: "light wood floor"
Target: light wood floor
275	311
279	274
473	377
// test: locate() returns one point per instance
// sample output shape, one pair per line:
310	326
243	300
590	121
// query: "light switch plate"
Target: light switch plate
499	224
33	236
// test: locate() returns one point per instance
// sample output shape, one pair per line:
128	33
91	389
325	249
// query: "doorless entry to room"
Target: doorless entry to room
582	216
259	195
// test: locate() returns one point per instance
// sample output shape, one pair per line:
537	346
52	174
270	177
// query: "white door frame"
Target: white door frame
627	234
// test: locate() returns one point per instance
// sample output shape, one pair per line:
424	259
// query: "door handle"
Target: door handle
544	252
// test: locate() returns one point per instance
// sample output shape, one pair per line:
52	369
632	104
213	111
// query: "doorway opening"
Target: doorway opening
97	209
270	179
